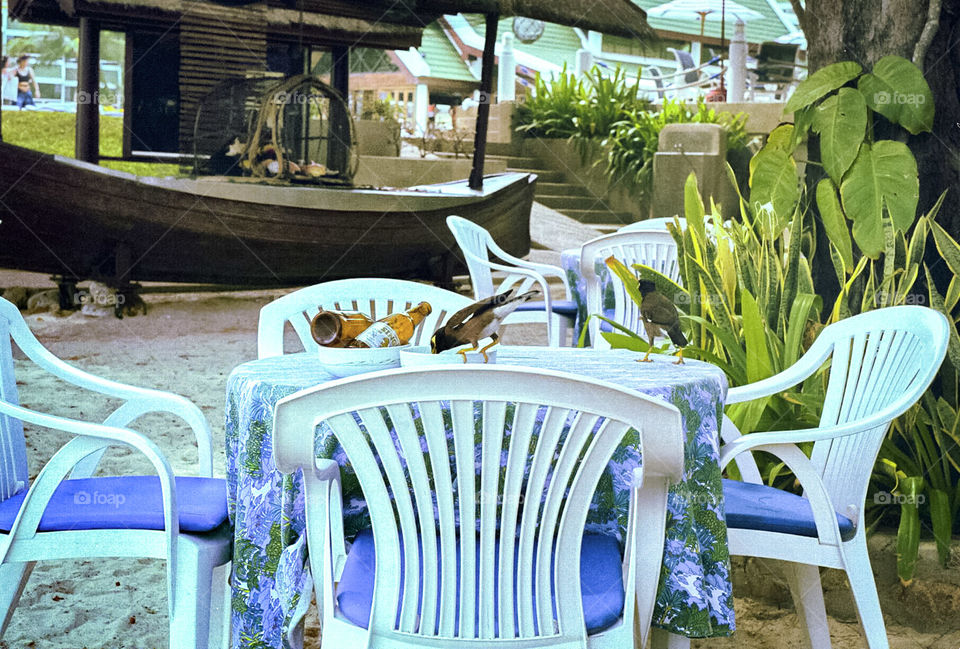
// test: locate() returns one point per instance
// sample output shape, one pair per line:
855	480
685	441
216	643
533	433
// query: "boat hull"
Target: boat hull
69	218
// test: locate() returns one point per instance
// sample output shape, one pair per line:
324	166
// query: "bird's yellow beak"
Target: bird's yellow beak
433	344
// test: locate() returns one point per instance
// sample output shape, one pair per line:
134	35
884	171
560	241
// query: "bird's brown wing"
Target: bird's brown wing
659	310
464	315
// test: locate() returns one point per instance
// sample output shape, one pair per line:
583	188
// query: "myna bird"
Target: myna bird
659	315
480	320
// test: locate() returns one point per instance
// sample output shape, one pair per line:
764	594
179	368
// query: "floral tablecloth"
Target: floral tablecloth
570	262
271	580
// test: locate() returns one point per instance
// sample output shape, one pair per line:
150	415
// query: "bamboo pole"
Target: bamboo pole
486	98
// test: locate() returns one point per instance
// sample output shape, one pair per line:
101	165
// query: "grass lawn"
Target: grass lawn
54	133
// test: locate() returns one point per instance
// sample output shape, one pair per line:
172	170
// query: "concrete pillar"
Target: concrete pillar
507	71
421	107
737	86
584	62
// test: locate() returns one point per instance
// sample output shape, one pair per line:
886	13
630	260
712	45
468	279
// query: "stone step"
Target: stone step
542	174
564	203
517	161
605	217
561	189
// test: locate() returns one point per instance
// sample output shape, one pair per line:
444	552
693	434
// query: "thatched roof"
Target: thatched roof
385	17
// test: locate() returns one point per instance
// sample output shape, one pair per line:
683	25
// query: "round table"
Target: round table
271	581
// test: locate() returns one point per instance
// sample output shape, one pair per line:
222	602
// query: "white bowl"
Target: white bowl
350	361
420	355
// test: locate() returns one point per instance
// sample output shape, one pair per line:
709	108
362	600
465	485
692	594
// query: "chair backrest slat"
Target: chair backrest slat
397	483
522	426
374	297
402	419
434	430
493	417
494	424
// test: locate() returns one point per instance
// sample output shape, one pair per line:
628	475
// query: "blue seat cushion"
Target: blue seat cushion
601	581
759	507
127	502
560	307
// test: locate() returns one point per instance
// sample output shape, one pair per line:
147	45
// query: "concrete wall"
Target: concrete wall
388	171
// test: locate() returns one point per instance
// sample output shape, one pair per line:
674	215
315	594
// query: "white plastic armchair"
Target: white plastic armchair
881	362
375	297
499	584
36	519
653	248
483	256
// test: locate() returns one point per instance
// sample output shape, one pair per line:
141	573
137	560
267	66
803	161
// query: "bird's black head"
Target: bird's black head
441	342
646	286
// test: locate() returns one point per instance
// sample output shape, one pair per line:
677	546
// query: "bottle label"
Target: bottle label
379	334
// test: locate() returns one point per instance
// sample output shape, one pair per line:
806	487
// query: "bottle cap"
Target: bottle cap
325	327
425	308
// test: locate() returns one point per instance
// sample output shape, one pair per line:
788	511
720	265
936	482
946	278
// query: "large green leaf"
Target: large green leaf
755	339
834	221
774	180
841	121
884	174
821	82
897	90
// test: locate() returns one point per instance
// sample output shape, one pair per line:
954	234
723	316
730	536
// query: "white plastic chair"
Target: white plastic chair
375	297
655	225
57	518
477	246
507	569
653	248
881	362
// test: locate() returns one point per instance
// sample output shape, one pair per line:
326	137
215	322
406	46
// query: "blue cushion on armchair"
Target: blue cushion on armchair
759	507
125	502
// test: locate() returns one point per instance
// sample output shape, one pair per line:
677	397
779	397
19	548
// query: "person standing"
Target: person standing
25	77
8	92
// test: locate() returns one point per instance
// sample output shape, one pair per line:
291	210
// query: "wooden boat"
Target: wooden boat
81	221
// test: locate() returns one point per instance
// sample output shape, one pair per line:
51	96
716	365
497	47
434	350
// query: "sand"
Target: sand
189	343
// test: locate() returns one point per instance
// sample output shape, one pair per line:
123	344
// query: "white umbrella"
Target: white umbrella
703	10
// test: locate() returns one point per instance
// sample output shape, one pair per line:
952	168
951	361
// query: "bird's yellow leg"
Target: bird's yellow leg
679	360
494	339
463	352
646	358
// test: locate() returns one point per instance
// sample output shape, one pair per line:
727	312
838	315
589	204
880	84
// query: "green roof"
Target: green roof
558	44
758	30
442	56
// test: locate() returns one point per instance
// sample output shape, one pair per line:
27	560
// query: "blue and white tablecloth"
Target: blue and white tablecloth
271	581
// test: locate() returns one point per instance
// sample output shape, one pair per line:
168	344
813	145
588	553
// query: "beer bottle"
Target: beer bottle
395	329
337	328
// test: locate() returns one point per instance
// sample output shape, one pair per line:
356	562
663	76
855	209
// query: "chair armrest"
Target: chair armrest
174	404
805	366
546	270
824	515
753	440
324	511
91	438
140	400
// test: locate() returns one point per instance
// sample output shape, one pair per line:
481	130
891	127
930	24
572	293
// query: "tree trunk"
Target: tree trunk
846	30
